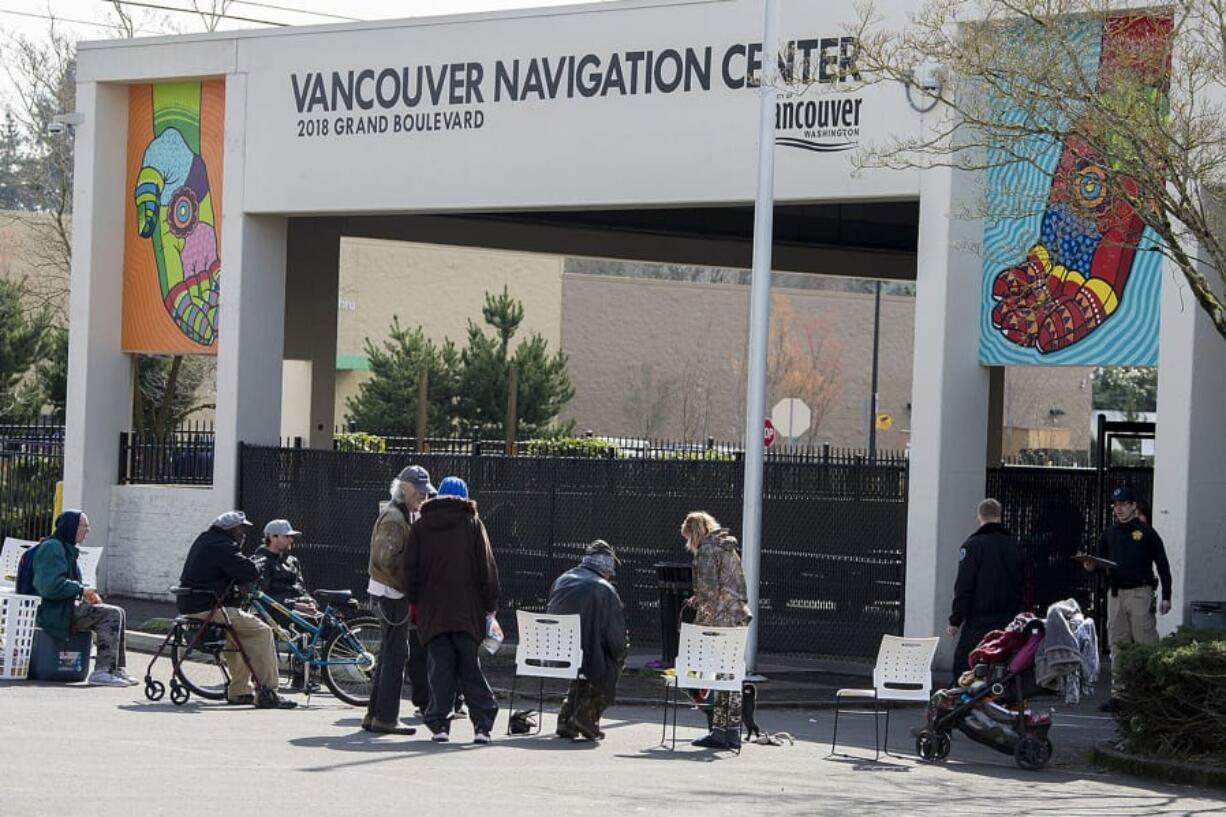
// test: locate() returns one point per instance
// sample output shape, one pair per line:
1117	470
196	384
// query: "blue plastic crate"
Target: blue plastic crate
54	660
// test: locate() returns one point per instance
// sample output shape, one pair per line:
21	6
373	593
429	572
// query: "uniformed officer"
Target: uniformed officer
988	590
1135	548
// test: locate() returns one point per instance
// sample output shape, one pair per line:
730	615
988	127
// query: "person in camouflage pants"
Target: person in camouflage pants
582	707
720	600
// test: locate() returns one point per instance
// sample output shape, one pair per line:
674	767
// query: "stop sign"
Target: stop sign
768	434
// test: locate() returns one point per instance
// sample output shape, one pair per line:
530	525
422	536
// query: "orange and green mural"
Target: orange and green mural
172	240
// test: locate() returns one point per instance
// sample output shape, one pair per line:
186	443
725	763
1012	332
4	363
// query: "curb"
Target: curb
141	642
1169	771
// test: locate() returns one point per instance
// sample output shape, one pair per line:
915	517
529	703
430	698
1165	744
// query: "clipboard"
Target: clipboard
1097	560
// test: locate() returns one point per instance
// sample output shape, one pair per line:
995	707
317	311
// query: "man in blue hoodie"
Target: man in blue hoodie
69	605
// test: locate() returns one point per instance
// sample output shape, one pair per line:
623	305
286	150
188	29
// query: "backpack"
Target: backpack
25	572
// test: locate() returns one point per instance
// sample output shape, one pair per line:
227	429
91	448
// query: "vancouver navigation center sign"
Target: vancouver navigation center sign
407	99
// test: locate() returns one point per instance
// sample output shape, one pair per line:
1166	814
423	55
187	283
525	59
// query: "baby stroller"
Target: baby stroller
991	705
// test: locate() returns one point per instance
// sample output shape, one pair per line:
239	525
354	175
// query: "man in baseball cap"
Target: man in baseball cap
1136	549
388	540
214	568
281	578
280	572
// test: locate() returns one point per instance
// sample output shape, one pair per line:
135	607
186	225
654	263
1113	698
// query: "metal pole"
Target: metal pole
872	404
759	323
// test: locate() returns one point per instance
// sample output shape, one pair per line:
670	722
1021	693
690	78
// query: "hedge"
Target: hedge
1174	696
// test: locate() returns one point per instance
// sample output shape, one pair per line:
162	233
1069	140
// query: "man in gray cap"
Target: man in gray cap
410	489
281	578
587	590
215	567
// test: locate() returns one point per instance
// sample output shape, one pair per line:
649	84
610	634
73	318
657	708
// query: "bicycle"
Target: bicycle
344	651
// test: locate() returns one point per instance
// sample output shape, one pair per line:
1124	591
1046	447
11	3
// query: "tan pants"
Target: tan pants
257	641
1130	619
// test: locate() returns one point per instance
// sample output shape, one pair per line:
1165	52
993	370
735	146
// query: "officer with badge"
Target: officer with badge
988	590
1135	549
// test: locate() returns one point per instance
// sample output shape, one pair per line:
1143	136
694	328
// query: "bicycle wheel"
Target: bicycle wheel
202	667
349	659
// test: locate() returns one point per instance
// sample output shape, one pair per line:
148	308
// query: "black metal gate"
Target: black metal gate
1060	512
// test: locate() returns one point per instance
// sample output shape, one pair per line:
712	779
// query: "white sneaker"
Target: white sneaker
441	737
122	673
482	737
101	678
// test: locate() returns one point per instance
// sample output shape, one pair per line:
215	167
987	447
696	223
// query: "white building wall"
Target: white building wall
152	527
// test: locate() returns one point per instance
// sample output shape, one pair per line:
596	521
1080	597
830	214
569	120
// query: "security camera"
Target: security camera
63	122
929	76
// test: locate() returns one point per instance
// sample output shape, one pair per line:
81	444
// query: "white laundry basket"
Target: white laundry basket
17	615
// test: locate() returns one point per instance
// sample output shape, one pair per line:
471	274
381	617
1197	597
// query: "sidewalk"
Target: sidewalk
158	759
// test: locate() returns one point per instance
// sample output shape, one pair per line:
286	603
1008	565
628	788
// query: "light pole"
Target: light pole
872	403
759	323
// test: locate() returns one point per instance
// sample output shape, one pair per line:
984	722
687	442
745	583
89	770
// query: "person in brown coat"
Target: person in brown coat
450	574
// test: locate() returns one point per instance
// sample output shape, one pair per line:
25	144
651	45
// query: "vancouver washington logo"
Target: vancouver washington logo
819	112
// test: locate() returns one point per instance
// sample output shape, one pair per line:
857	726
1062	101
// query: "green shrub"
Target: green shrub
1173	701
571	447
360	442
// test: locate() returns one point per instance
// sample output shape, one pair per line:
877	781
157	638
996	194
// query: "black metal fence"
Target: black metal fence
1058	513
31	463
834	531
181	457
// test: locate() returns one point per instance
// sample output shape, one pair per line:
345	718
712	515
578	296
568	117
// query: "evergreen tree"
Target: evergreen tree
387	402
14	193
52	372
21	341
544	381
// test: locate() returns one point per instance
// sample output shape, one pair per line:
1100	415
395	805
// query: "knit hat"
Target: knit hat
453	486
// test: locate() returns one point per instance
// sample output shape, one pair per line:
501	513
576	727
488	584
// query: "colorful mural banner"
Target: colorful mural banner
1069	275
172	226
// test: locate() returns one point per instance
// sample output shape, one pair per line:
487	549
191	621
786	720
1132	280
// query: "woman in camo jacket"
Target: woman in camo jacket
721	600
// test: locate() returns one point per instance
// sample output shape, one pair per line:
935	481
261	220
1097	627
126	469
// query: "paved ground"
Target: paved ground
107	751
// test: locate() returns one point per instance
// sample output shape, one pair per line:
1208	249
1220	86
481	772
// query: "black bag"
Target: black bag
25	572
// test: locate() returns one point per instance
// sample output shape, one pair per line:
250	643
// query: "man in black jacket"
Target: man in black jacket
586	590
1136	549
215	566
280	571
988	590
281	578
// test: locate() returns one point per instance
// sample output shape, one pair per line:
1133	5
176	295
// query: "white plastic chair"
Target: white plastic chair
550	646
707	658
903	673
10	555
88	564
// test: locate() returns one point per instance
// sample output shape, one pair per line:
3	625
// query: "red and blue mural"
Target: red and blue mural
1076	281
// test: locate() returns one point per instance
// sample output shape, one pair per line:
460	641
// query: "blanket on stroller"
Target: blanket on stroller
1067	661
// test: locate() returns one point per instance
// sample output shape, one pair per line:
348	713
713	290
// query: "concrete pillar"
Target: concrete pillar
252	314
949	414
312	282
1190	450
996	415
99	375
